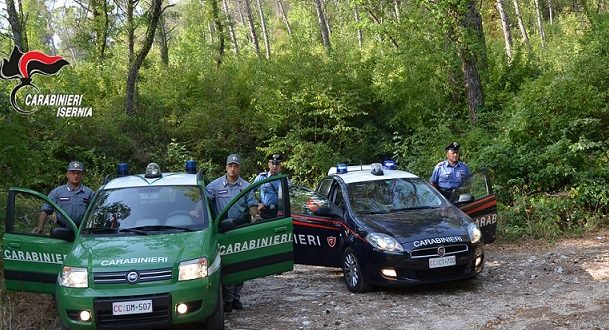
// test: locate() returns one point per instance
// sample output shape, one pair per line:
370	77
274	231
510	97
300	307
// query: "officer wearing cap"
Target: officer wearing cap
269	192
73	197
449	174
221	191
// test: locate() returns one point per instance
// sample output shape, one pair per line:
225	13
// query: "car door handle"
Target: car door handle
280	229
15	245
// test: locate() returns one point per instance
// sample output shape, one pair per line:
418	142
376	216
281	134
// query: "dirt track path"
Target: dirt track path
531	285
525	286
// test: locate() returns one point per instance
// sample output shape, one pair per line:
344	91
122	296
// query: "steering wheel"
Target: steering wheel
179	212
179	218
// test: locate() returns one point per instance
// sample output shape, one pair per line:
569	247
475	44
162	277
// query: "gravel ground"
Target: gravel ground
532	285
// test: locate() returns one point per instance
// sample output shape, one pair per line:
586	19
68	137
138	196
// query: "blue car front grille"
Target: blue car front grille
430	252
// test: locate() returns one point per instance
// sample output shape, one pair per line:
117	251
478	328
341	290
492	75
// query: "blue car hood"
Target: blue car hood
412	225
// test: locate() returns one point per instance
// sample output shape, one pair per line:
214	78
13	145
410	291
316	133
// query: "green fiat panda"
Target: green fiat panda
149	253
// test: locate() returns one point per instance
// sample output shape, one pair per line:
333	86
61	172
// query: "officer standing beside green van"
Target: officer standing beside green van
221	191
73	197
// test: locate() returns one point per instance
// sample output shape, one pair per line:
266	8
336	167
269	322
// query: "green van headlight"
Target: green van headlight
192	269
74	277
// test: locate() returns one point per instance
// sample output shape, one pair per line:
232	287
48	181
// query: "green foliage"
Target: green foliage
308	101
542	134
548	216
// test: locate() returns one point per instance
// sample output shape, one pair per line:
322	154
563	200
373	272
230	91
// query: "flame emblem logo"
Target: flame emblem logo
23	66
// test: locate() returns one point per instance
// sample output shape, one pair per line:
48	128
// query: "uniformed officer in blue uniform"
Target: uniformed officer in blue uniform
269	192
73	197
221	191
450	173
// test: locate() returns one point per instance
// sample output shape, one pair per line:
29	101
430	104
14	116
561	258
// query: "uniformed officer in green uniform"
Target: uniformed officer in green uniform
73	197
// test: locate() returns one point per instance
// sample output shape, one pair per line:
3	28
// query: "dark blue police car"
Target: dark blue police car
386	227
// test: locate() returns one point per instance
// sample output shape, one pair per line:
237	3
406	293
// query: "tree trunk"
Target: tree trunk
250	21
471	50
505	26
324	10
360	35
540	24
265	31
215	11
323	26
104	38
211	31
153	21
396	9
473	85
163	40
99	11
17	26
130	31
523	30
231	27
284	16
551	11
240	8
378	21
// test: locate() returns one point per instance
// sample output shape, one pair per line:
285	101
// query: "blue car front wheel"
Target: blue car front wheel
352	273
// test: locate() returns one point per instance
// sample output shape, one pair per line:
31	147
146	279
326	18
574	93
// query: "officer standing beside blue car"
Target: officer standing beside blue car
269	192
449	174
73	197
221	191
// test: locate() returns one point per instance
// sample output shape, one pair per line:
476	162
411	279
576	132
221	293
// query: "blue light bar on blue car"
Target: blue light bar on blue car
191	167
123	169
389	164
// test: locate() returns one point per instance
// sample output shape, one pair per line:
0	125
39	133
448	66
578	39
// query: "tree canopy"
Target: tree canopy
325	82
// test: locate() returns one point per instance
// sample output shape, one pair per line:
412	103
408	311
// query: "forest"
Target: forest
522	85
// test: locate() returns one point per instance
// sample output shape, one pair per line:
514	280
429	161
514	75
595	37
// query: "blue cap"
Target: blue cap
76	166
453	146
233	159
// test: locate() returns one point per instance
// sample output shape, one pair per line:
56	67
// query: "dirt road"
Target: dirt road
532	285
526	286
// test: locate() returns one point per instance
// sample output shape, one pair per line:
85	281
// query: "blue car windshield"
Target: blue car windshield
392	195
142	210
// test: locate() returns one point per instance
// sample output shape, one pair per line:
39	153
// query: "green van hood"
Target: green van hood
126	252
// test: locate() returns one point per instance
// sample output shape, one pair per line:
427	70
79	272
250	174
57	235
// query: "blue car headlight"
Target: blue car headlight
384	242
474	232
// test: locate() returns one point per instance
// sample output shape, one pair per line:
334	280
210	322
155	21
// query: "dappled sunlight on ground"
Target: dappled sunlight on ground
598	269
